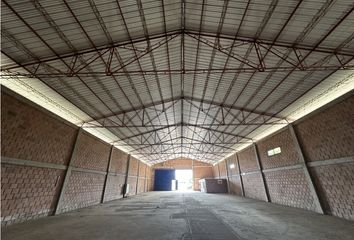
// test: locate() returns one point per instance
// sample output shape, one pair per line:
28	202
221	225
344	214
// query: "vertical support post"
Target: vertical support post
227	176
107	173
126	177
239	173
145	179
193	179
262	174
67	173
218	170
306	171
137	179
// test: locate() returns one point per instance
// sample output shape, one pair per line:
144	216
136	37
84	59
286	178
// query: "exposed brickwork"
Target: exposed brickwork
148	172
83	189
142	169
216	171
28	133
253	186
151	184
92	153
119	161
232	160
179	163
149	179
328	134
200	172
247	158
335	184
141	179
141	185
199	163
31	133
28	192
132	185
222	169
235	185
114	187
290	187
288	155
203	172
133	167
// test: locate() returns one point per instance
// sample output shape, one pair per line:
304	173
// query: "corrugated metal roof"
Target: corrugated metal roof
167	78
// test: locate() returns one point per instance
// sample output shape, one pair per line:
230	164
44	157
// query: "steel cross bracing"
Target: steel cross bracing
261	64
194	89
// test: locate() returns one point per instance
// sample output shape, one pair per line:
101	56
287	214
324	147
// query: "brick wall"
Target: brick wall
247	159
235	185
326	145
179	163
141	178
28	192
288	156
92	153
200	169
335	184
215	170
133	167
253	186
200	172
252	179
119	162
84	189
36	149
328	134
28	133
222	169
234	180
133	175
114	188
150	178
232	160
290	187
116	178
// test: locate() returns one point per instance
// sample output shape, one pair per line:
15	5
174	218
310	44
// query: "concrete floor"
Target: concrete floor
193	215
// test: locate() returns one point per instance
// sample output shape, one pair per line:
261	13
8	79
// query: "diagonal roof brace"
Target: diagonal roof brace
123	44
181	124
194	99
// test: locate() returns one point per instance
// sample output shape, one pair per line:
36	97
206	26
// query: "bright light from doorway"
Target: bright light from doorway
184	180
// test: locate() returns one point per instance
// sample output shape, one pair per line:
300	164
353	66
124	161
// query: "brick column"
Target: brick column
261	172
227	176
107	173
218	170
306	171
137	179
126	176
68	173
239	172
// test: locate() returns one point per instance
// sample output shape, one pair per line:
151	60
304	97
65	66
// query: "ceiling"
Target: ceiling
179	78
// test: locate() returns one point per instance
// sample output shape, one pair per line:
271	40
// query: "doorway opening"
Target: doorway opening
184	179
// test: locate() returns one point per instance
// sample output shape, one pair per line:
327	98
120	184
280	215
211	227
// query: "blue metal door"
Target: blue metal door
163	179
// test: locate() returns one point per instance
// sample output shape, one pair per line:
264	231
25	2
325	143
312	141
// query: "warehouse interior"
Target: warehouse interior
118	117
